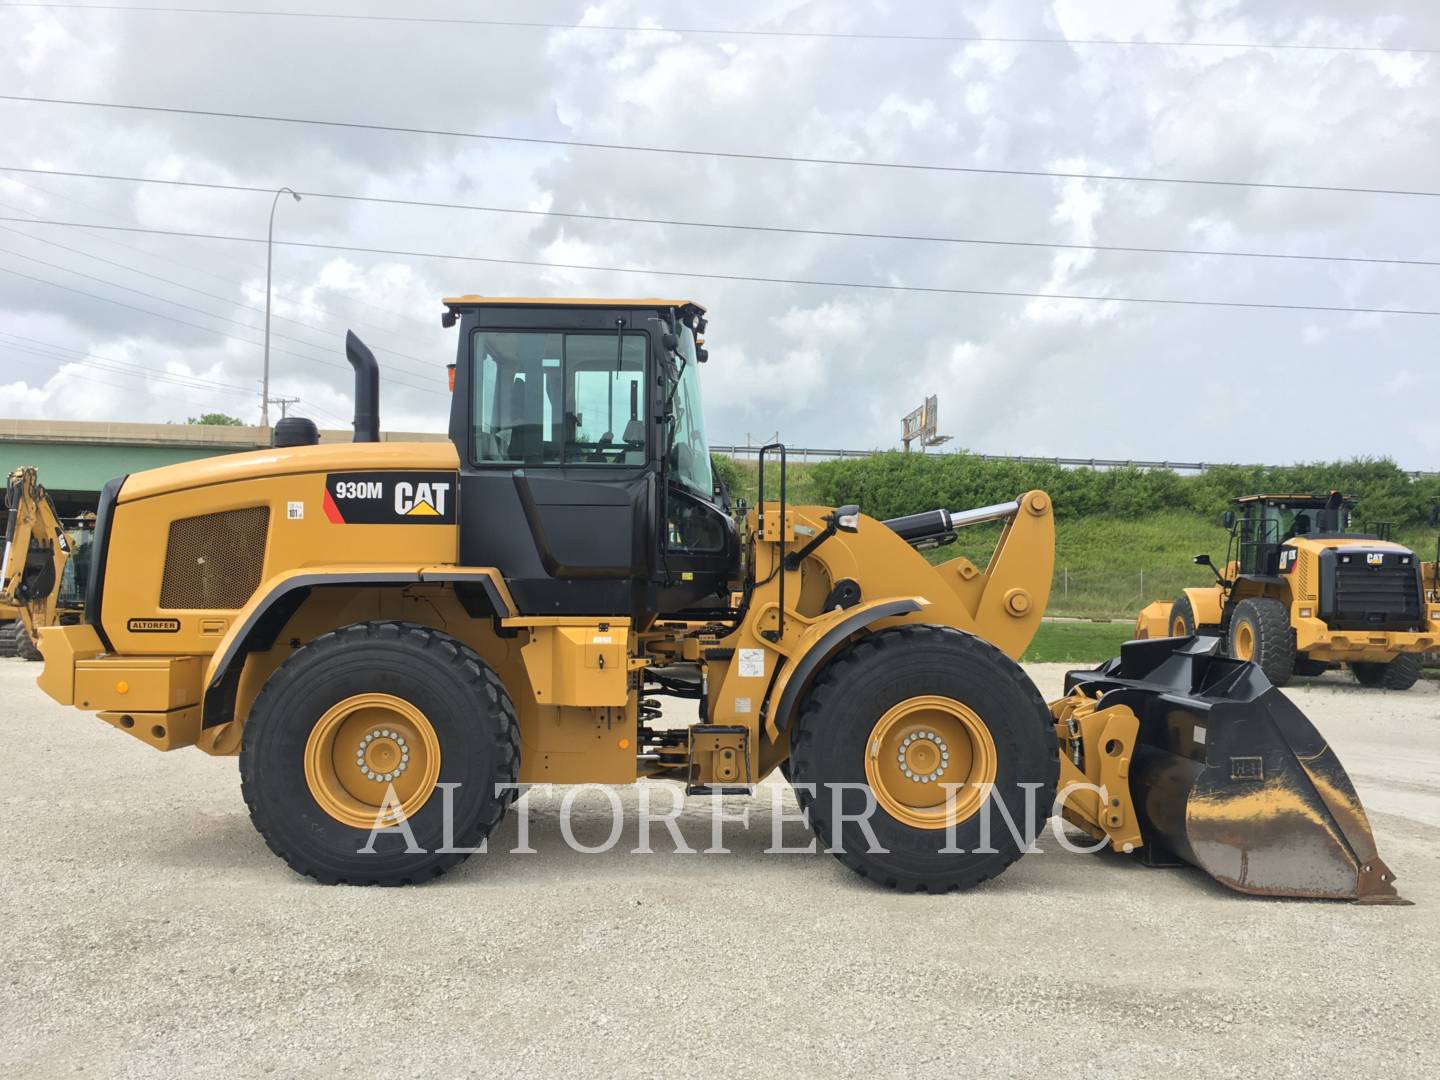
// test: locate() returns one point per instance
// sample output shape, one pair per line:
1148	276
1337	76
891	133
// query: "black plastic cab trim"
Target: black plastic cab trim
95	586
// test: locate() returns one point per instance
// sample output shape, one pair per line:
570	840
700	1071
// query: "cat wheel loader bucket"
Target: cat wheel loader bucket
1224	772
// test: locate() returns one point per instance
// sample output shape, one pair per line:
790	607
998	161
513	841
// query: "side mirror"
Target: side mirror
702	354
1203	560
847	518
1227	519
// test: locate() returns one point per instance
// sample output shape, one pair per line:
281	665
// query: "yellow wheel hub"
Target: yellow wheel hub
1177	628
361	749
929	761
1244	641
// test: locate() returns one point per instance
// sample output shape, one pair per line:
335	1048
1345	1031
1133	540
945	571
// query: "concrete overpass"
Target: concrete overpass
76	457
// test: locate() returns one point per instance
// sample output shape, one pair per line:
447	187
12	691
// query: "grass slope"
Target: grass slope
1106	566
1076	643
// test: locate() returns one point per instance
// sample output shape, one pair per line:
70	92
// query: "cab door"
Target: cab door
557	489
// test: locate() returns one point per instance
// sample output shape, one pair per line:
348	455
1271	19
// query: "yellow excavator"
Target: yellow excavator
42	563
392	637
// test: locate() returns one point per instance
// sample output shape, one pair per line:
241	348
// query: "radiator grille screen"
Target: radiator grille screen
215	560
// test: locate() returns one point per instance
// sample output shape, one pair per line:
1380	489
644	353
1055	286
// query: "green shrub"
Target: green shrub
891	484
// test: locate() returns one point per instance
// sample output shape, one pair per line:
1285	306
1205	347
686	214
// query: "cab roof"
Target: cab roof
471	300
1304	501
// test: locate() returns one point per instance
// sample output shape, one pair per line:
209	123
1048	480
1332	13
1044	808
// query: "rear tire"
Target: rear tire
7	638
1399	674
462	730
843	719
1260	630
1182	617
1310	668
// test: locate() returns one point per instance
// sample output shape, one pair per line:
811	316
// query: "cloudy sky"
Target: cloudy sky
820	365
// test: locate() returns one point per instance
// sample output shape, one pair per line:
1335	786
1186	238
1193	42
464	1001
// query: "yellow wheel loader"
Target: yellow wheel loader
393	636
1302	591
42	562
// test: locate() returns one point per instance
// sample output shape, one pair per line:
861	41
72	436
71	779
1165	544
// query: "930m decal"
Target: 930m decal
390	498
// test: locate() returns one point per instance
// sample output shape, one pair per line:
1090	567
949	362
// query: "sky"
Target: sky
108	325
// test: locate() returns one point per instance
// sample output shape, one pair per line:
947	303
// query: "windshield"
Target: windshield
689	451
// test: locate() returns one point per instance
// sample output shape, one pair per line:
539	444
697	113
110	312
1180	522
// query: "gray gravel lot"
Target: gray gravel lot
149	932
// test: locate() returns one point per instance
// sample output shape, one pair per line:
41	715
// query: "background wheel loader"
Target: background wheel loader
391	634
42	566
1301	591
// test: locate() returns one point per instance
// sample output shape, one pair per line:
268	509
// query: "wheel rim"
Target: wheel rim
361	748
930	761
1177	628
1244	641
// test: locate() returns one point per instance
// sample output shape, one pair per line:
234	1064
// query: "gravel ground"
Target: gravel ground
150	933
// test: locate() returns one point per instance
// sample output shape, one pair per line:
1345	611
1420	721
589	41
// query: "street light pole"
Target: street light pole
269	262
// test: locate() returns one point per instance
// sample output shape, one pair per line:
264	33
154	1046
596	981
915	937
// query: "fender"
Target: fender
273	604
1206	602
821	641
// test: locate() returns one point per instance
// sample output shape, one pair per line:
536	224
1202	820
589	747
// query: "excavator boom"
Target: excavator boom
37	551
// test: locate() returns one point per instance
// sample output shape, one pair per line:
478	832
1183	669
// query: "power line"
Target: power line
733	155
724	225
708	31
129	388
712	276
324	313
119	367
65	360
155	296
178	285
184	322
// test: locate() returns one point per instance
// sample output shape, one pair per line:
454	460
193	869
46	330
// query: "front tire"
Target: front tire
1399	674
368	717
1260	631
895	718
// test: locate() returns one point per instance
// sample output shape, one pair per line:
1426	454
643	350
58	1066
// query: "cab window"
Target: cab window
689	451
558	399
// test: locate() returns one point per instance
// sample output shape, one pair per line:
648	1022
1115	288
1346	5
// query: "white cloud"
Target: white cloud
1012	374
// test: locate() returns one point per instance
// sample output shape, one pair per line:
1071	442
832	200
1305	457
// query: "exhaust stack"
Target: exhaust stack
367	388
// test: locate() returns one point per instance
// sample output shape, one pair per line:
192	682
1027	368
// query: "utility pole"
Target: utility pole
269	262
284	403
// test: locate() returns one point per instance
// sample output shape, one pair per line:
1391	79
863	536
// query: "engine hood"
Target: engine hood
257	464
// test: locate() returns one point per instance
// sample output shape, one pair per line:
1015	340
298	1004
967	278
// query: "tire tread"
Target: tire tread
412	635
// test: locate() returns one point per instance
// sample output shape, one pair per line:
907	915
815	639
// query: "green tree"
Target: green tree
216	419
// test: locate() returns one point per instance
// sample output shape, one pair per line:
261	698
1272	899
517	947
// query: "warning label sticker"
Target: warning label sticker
752	663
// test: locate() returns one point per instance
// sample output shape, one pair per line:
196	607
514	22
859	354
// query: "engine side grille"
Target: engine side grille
215	560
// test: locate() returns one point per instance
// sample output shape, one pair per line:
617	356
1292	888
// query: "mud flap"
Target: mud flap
1230	776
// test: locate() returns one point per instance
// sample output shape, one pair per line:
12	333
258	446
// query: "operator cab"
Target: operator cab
585	471
1267	522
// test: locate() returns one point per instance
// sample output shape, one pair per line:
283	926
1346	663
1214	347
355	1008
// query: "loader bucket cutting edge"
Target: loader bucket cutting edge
1230	776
